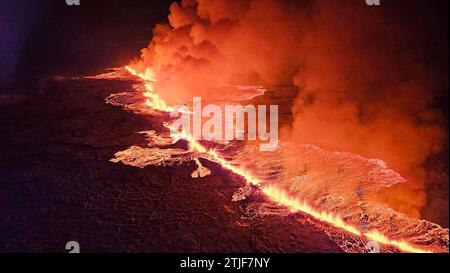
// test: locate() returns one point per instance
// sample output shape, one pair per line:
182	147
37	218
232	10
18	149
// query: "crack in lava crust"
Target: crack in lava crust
273	192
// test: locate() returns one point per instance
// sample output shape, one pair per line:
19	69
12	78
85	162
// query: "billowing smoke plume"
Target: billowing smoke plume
365	80
211	43
363	89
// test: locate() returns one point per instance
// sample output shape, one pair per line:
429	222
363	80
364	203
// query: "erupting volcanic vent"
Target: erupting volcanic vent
334	188
357	125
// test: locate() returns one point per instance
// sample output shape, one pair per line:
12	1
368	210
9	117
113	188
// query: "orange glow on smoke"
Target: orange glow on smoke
148	76
153	99
273	193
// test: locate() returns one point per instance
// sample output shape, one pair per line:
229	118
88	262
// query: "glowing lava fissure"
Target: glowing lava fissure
153	100
272	192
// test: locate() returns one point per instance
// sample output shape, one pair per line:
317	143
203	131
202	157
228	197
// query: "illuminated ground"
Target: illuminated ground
58	185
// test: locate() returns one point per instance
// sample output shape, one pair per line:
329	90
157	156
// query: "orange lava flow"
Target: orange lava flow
273	193
153	100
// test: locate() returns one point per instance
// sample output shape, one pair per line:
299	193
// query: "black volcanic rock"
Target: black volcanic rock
57	185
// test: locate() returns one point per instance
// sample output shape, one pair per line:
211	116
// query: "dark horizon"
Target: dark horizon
363	97
47	37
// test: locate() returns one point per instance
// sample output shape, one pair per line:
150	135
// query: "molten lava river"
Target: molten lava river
334	191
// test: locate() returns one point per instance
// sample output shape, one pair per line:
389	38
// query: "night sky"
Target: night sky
43	38
46	37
